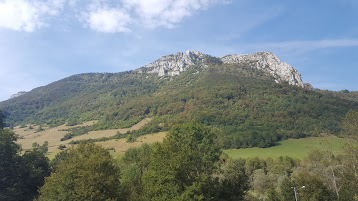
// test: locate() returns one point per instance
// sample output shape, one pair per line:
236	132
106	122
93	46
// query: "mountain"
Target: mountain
174	64
268	62
18	94
252	100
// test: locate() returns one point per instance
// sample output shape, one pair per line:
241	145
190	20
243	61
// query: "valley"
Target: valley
184	127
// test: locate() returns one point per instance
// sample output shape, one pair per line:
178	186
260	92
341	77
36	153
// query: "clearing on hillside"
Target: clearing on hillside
295	148
31	134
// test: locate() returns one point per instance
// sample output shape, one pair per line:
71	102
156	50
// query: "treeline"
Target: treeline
248	111
21	175
245	104
78	98
187	165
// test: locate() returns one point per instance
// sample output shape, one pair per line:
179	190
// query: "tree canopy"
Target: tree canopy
20	175
87	172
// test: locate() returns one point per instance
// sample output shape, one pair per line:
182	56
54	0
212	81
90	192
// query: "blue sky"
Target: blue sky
42	41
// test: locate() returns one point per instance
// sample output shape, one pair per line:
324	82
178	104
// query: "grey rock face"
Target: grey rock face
174	64
268	62
18	94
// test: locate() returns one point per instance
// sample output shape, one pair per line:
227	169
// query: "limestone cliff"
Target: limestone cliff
174	64
266	61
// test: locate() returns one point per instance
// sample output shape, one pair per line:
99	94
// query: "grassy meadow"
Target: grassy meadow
53	136
295	148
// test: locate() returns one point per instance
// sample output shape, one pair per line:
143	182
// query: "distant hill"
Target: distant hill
253	100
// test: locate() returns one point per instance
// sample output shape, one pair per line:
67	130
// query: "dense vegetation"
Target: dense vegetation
20	175
188	165
246	106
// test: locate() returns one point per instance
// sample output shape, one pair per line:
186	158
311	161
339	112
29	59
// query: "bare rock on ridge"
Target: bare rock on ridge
267	61
174	64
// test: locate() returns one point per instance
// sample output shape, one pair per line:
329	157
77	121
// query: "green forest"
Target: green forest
246	106
187	165
206	109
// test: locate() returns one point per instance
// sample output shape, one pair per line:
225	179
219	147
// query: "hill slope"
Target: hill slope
253	100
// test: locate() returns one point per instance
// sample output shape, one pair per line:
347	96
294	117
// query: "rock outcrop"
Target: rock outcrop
18	94
268	62
174	64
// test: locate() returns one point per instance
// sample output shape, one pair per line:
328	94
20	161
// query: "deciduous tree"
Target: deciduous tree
85	173
182	165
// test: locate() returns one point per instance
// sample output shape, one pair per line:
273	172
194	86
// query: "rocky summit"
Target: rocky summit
270	63
174	64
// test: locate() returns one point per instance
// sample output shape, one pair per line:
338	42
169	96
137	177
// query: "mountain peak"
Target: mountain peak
268	62
174	64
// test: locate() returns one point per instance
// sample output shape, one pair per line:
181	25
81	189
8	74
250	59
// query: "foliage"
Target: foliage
350	125
245	104
10	165
35	168
186	166
231	183
85	173
133	165
40	148
1	120
319	177
182	165
314	188
20	175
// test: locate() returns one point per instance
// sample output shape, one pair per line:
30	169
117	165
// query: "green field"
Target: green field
296	148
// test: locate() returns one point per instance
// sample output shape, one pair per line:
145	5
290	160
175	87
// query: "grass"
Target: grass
120	145
53	137
295	148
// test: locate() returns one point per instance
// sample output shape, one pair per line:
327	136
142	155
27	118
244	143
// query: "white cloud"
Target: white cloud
108	20
100	15
166	13
26	15
118	16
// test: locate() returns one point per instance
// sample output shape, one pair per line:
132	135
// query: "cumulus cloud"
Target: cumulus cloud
108	20
100	15
26	15
167	13
148	13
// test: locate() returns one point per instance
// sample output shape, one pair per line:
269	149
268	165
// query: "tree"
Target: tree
133	165
20	176
87	172
231	182
350	177
1	120
182	165
10	165
35	168
350	124
328	167
314	188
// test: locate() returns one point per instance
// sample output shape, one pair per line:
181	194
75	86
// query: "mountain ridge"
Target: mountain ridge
239	95
174	64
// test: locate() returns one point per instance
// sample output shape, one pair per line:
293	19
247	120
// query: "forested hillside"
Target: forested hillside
187	165
245	104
